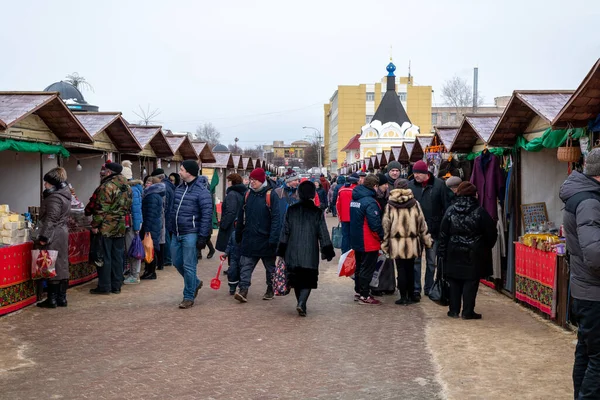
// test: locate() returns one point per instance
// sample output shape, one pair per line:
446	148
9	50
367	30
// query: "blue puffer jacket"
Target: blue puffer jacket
169	196
366	229
136	206
192	208
152	207
340	184
286	196
258	226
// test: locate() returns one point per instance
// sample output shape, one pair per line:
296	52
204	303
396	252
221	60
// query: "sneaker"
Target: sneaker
269	295
452	314
197	289
471	316
186	304
131	281
241	295
356	296
369	300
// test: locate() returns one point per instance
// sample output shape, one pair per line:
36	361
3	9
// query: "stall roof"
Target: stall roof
446	135
247	163
224	160
424	141
374	162
584	104
115	126
16	106
204	152
389	156
406	151
522	108
237	162
381	160
395	153
353	144
474	127
184	146
153	135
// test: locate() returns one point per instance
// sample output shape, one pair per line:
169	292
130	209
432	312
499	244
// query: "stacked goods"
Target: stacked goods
12	227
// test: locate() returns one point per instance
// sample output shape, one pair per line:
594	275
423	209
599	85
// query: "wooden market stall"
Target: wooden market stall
154	147
183	149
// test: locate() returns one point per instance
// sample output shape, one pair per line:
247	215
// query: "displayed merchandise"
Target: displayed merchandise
536	278
487	178
17	289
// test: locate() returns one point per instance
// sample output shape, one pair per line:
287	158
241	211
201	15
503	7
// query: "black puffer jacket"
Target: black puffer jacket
231	207
434	199
304	232
467	236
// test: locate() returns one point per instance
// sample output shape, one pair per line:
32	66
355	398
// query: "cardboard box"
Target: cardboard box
11	226
9	233
4	208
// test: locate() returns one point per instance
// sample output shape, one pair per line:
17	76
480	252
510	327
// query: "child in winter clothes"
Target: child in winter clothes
232	252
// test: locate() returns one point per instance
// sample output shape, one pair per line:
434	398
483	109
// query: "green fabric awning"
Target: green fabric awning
33	147
550	139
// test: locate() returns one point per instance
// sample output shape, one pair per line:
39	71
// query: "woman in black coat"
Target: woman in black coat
304	232
152	220
467	236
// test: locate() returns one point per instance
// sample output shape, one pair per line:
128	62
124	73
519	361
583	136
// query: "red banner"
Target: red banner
536	278
79	247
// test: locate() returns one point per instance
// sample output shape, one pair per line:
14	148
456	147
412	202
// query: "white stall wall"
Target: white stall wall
20	181
541	177
87	180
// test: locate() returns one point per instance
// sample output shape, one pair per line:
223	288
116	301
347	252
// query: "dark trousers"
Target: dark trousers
247	265
333	210
151	267
406	276
233	272
586	369
167	252
110	275
160	257
345	237
365	266
465	290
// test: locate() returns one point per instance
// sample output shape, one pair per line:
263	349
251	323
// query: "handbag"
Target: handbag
440	291
136	249
336	236
280	281
148	248
43	264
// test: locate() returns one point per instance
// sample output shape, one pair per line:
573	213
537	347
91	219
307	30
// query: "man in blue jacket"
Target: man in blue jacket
191	224
257	230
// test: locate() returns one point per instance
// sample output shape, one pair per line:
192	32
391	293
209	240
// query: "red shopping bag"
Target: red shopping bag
347	264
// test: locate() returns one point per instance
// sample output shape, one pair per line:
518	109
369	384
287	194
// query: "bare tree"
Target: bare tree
146	116
208	133
311	155
78	81
457	93
255	152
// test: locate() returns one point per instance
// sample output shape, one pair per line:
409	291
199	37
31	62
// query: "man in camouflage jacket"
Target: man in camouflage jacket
110	209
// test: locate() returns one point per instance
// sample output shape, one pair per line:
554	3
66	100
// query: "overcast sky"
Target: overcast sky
260	70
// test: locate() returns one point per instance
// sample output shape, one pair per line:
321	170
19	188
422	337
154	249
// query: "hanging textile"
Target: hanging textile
214	182
487	178
550	139
536	278
499	249
498	151
33	147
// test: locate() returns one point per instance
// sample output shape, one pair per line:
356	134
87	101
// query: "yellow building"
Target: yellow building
352	106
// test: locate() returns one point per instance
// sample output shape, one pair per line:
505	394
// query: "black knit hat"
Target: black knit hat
191	167
158	171
382	179
307	190
114	167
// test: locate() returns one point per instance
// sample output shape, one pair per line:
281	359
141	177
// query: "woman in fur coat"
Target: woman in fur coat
405	236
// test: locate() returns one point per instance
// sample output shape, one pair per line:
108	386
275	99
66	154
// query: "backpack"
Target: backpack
267	199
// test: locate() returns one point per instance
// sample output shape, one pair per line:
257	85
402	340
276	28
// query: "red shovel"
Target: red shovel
215	283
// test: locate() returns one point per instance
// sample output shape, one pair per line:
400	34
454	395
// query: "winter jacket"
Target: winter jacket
192	209
343	202
489	180
112	203
434	199
229	213
382	199
366	231
286	196
169	198
304	232
137	191
340	184
324	184
581	221
258	225
152	208
322	194
467	236
54	231
404	227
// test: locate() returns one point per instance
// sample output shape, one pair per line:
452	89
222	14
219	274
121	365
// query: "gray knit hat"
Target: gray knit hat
453	182
394	165
592	163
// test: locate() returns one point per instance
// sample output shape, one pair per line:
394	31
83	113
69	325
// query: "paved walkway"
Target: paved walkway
139	345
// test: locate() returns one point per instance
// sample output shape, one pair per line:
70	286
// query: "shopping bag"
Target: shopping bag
440	291
96	250
148	248
43	264
215	283
136	249
336	236
378	267
347	264
280	281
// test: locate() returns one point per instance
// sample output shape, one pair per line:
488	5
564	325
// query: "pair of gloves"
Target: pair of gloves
201	242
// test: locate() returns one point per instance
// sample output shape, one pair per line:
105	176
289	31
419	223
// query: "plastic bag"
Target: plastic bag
148	248
347	264
379	266
136	250
336	236
280	281
43	264
96	250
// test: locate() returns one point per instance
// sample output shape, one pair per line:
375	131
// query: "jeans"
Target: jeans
110	275
345	237
167	254
333	210
183	255
429	273
247	265
405	276
365	267
465	290
586	369
135	264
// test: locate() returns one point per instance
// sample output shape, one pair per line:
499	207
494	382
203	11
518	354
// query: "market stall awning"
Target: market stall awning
153	136
247	163
389	156
374	164
204	152
184	146
115	127
223	160
522	108
425	141
474	127
406	152
446	135
16	106
395	153
584	104
381	160
237	162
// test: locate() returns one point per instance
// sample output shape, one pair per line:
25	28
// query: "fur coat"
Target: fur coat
404	226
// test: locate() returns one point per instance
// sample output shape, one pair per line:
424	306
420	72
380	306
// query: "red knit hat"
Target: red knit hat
258	175
420	168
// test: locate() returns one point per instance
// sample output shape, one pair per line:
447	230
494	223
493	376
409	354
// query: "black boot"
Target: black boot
61	298
302	298
50	302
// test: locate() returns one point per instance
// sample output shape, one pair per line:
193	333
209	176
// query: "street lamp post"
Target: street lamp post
318	137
